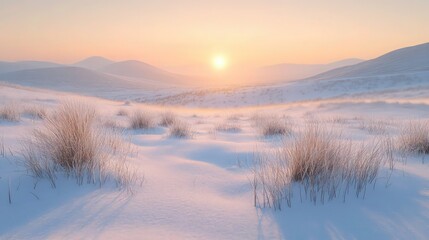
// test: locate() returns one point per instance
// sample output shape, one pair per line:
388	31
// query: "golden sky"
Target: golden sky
188	33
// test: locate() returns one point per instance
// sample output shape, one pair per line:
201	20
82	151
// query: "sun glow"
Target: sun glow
219	62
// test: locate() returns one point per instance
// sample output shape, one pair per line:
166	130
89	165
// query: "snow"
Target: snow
94	63
198	187
409	59
96	76
87	82
288	72
294	92
141	70
23	65
399	70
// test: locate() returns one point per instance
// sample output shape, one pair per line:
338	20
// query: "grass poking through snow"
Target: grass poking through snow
10	112
167	119
141	120
35	111
228	126
122	112
319	162
180	129
70	143
272	125
414	137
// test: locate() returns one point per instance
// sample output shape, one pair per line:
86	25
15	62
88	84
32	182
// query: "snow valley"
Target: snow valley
104	149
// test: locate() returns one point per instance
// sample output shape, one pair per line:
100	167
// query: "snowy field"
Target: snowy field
199	185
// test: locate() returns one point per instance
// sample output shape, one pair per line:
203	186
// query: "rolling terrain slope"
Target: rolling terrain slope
288	72
23	65
404	60
198	187
403	69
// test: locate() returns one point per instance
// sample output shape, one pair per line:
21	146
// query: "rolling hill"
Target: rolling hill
76	79
287	71
397	72
140	70
94	63
404	60
23	65
400	70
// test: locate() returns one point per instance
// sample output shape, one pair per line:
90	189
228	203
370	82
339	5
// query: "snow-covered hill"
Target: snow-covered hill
288	71
404	60
23	65
82	81
141	70
94	63
400	70
295	91
97	76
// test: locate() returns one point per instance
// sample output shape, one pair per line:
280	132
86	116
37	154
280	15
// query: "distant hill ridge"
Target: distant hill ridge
408	59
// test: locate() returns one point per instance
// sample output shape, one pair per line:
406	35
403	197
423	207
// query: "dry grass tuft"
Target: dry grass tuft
111	124
141	120
234	117
314	152
167	119
373	126
2	147
10	112
414	137
231	127
35	111
272	125
180	129
69	142
338	120
122	112
323	165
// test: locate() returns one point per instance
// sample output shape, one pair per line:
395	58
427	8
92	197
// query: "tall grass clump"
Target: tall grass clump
10	112
374	126
141	120
228	126
70	143
35	111
111	124
234	117
122	112
272	125
2	147
167	119
321	164
338	120
414	137
180	129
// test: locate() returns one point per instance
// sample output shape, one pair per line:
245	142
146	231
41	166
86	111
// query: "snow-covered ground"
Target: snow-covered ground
297	91
397	71
199	188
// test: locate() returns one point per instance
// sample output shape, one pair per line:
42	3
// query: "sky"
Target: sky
190	33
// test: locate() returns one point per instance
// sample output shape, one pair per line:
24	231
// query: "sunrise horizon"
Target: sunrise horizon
209	120
190	34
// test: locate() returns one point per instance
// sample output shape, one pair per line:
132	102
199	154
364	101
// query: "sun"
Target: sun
219	62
